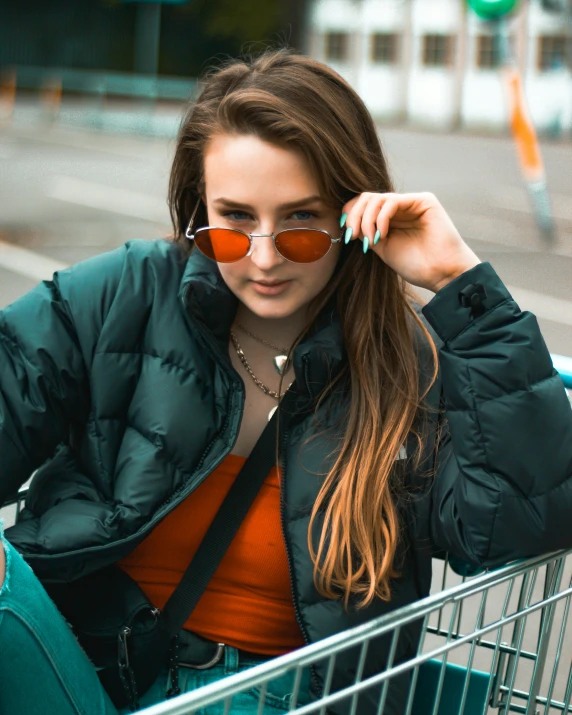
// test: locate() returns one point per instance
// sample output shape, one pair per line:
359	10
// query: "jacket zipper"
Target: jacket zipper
297	612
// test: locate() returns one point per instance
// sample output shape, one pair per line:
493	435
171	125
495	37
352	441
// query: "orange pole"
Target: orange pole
51	97
522	127
7	96
525	137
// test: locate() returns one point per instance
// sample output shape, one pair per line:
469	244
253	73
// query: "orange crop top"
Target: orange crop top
248	602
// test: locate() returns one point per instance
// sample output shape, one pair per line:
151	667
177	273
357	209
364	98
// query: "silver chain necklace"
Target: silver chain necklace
260	340
281	362
259	383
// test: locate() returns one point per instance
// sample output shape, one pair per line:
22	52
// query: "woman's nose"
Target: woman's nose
264	254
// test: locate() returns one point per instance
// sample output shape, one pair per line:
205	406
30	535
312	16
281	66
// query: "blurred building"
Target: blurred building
433	62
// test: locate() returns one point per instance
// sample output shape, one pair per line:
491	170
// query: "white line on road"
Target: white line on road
108	198
28	263
132	147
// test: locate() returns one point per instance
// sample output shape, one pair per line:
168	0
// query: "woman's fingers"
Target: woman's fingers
362	215
354	210
369	227
368	213
387	212
415	236
370	217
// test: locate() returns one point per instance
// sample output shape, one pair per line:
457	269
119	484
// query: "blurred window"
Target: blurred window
488	55
384	48
438	50
551	52
337	46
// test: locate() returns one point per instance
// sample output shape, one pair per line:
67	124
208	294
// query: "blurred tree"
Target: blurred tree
99	34
295	17
243	21
251	20
195	33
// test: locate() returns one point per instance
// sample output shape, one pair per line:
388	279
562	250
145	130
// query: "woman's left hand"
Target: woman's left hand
413	234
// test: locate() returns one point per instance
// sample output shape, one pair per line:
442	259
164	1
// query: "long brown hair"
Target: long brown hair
294	101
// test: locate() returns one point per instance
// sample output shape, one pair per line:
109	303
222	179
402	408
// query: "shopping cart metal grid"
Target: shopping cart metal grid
494	642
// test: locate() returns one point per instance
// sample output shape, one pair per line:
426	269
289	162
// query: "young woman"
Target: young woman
140	381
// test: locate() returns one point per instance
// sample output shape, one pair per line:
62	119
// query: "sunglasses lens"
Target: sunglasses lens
222	245
303	245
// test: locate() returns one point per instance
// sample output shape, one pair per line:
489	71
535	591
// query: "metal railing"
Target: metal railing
481	623
563	365
108	101
101	84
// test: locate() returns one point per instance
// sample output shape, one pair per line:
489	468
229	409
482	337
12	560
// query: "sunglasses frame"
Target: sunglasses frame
250	236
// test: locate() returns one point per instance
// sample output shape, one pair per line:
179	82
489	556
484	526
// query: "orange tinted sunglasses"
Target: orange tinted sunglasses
228	245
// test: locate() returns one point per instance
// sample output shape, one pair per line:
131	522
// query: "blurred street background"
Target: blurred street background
91	95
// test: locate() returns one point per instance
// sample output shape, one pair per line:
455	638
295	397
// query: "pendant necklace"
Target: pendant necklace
281	362
261	385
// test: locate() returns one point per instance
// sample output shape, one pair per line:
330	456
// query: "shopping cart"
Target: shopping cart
493	642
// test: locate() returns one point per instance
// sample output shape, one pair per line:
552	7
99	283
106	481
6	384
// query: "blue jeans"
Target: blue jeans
44	671
277	698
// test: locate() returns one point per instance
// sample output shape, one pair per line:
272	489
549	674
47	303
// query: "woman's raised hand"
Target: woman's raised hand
412	233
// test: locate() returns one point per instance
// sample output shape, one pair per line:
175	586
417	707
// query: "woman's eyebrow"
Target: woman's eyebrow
229	203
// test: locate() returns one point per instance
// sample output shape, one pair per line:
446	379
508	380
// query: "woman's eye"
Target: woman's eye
303	215
236	215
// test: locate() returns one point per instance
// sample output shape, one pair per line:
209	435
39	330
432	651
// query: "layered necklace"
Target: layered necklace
281	362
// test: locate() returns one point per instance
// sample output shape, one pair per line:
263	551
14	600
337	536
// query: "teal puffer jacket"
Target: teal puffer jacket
116	384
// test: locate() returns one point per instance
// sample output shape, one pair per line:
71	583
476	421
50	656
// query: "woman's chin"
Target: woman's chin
271	308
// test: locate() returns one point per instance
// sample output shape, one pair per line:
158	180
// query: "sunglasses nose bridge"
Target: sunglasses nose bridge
276	253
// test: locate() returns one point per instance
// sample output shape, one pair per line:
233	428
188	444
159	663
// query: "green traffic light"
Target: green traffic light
492	9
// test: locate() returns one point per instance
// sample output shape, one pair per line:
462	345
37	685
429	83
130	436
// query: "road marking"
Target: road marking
108	198
28	263
95	142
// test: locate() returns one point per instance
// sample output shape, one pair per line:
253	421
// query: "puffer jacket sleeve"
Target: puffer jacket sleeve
44	378
502	488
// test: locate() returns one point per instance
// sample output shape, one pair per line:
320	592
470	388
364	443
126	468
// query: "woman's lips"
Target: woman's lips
274	288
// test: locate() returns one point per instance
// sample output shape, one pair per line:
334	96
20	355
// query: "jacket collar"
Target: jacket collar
206	297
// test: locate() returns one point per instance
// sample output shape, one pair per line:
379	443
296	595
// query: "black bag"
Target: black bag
125	636
119	629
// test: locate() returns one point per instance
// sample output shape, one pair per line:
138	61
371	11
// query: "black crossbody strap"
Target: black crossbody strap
226	522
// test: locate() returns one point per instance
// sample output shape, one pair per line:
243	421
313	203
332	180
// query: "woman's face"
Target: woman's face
262	188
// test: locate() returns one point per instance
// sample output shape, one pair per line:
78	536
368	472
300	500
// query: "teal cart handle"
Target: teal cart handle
563	365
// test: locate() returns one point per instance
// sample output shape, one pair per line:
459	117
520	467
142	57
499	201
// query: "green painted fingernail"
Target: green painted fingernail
376	237
348	235
365	244
343	220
